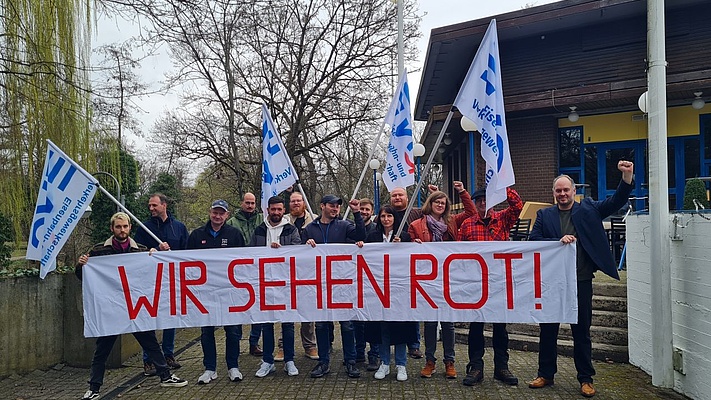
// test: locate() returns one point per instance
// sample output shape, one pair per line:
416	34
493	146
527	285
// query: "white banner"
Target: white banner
528	282
65	192
399	166
277	172
481	99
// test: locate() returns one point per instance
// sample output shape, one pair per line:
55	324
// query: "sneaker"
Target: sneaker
401	373
383	371
473	377
207	377
255	350
415	353
505	376
234	374
352	371
428	369
373	363
149	369
173	381
311	353
320	370
265	369
290	368
172	364
90	394
449	371
279	355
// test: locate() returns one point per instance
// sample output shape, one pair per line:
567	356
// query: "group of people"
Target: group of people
568	221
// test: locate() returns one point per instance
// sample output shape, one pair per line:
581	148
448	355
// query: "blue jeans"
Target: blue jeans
400	349
233	334
168	345
254	333
323	341
415	345
287	333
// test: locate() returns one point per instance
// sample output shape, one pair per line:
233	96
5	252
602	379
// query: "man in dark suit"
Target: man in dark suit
579	223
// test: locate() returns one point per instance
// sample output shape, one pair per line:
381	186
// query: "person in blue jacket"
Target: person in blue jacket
581	223
173	236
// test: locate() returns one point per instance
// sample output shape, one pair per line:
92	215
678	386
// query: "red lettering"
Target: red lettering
484	282
173	301
509	274
184	283
537	278
142	301
415	278
264	284
331	282
306	282
239	285
383	294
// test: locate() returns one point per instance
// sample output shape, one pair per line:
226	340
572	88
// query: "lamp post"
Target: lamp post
470	127
118	188
418	150
374	165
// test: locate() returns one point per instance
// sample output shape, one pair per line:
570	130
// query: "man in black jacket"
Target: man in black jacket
216	234
117	244
174	236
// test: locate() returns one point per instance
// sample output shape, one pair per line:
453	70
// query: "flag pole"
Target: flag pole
122	207
426	170
306	200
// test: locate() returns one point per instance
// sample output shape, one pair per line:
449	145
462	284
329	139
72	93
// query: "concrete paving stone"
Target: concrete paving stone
613	380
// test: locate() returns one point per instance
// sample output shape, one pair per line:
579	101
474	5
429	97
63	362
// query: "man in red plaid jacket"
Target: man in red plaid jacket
494	225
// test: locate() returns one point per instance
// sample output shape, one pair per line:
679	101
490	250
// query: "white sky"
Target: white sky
437	13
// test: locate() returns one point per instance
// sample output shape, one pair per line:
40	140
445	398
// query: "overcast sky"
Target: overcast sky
437	13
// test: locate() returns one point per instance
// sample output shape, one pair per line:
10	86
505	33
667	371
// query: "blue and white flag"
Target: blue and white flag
481	99
399	166
65	193
277	172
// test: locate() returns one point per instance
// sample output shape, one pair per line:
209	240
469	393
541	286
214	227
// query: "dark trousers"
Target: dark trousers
104	344
500	343
582	346
360	343
323	341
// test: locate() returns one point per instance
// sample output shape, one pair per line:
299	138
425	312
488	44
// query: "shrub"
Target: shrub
7	238
695	189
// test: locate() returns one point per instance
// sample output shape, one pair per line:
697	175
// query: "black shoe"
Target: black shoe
149	369
373	364
352	371
91	395
172	363
415	353
320	370
505	376
473	377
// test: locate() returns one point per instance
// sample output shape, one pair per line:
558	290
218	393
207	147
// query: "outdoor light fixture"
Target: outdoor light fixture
374	164
418	150
698	102
573	116
468	125
440	150
447	140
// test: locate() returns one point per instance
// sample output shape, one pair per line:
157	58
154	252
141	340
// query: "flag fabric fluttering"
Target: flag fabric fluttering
65	193
481	99
399	163
277	172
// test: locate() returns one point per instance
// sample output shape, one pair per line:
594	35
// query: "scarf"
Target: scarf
437	228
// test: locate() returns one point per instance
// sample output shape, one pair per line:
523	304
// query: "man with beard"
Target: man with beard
117	244
275	232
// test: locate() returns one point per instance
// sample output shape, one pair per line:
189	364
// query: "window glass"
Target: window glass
569	149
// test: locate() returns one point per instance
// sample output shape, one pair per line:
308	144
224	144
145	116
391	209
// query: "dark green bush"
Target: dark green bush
695	189
7	237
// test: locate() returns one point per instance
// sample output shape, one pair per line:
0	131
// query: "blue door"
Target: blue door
608	176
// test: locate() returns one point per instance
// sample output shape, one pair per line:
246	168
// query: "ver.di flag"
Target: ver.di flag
65	192
399	167
277	172
481	99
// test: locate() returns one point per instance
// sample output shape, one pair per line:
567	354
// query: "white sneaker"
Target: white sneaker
382	372
234	374
207	377
265	369
290	368
401	373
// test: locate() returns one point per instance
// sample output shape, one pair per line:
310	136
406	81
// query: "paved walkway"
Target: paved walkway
613	381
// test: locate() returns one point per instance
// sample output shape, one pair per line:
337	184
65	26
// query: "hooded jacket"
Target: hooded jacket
289	235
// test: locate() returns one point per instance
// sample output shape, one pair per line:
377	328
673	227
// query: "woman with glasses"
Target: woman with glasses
437	225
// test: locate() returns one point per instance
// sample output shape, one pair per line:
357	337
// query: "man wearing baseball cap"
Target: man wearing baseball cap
217	234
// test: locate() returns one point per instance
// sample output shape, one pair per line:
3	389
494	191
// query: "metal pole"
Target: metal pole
472	163
124	209
400	39
118	187
376	192
660	248
417	178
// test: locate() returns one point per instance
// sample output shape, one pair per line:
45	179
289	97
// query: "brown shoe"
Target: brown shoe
279	355
449	371
172	363
149	369
428	369
540	382
311	353
416	354
587	389
255	350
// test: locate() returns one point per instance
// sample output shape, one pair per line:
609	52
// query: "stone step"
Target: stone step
600	351
598	334
613	319
608	303
610	289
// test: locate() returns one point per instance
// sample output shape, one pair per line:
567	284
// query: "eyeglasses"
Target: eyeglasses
440	202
